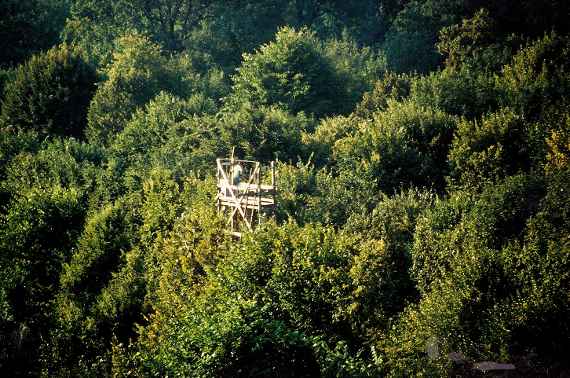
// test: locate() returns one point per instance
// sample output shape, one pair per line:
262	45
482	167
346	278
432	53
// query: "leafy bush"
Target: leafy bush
410	42
5	75
391	87
13	142
491	150
107	234
408	52
290	72
393	221
49	94
265	132
65	163
338	196
463	92
308	194
233	29
481	265
538	76
28	27
100	286
302	297
402	146
491	219
170	132
356	67
319	143
558	155
30	262
138	73
474	42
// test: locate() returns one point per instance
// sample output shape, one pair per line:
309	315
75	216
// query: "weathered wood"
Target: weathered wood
235	199
246	202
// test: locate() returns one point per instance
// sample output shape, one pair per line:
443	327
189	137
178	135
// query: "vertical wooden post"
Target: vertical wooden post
218	200
242	203
258	179
273	189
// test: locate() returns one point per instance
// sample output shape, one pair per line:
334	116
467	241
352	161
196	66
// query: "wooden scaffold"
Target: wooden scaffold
246	193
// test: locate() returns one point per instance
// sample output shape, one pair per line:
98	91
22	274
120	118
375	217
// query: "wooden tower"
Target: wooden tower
246	193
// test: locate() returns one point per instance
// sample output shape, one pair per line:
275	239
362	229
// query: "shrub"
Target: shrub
14	142
393	221
391	87
410	41
466	288
540	271
356	67
30	261
108	233
297	183
304	300
49	94
496	216
538	76
100	291
463	92
410	51
402	146
339	195
28	27
265	132
474	42
481	265
491	150
308	194
319	143
290	72
65	163
138	73
165	120
5	76
558	155
232	29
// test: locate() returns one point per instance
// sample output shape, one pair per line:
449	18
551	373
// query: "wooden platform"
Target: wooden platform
242	187
249	202
242	195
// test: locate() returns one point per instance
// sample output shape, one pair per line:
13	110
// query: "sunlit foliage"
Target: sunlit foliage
422	155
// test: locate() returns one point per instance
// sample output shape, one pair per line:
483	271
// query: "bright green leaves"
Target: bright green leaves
290	72
139	72
538	76
404	145
266	133
171	133
267	299
490	150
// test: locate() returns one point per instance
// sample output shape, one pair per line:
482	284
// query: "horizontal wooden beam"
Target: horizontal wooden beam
229	201
242	187
235	161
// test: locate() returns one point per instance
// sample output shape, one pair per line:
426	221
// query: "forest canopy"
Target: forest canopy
422	153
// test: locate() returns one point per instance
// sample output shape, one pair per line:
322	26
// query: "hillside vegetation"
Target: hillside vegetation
423	164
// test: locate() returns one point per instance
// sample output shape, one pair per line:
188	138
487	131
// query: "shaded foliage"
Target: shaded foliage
29	27
49	94
421	151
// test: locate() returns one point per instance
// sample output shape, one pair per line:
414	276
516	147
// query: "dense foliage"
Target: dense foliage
423	165
49	94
